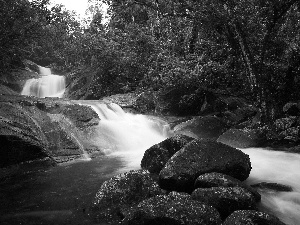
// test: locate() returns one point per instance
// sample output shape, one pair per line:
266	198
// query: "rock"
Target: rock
291	134
285	123
145	102
82	116
33	128
292	109
21	137
241	138
209	180
156	157
172	210
225	199
123	191
273	186
200	157
4	90
251	217
124	100
202	127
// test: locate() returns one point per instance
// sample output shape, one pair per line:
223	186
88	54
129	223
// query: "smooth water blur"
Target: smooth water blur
277	167
126	135
48	85
63	194
60	195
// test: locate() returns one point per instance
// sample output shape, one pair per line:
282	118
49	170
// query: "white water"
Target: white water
48	85
126	135
282	168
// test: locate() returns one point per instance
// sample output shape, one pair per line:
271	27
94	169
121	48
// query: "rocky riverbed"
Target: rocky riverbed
193	177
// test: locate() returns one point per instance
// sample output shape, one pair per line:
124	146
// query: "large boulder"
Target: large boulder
200	157
145	102
285	123
272	187
202	127
209	180
251	217
118	194
21	137
156	157
225	199
292	109
241	138
33	128
4	90
81	116
172	210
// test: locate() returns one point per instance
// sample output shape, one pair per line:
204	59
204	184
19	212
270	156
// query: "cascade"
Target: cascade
48	85
282	168
126	135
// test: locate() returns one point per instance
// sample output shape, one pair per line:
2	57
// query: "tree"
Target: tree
20	28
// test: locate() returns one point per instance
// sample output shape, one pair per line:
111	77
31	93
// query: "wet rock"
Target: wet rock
209	180
200	157
241	138
251	217
4	90
285	123
272	186
21	137
82	116
292	109
172	210
225	199
156	157
145	102
291	134
202	127
33	128
123	191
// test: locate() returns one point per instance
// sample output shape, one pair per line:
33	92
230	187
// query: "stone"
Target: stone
123	191
33	128
156	157
241	138
172	210
202	127
21	137
272	186
209	180
200	157
285	123
251	217
291	134
225	199
292	109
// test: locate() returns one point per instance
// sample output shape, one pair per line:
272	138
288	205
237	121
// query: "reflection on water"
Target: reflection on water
63	194
56	195
282	168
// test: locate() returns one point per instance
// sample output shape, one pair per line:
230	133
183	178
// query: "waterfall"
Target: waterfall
48	85
126	135
277	167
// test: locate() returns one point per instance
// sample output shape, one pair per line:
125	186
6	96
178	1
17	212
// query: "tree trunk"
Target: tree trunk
193	41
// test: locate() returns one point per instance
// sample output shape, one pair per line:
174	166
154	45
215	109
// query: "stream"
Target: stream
32	193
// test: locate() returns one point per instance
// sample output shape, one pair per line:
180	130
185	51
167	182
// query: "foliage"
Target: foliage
245	48
20	28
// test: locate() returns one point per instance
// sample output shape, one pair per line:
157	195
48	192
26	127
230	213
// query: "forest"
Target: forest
177	48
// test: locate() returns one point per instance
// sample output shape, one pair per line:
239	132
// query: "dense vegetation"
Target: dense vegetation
241	47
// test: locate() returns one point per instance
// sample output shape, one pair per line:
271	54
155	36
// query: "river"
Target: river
32	193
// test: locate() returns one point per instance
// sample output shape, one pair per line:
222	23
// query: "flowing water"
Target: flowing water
279	167
31	194
48	85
